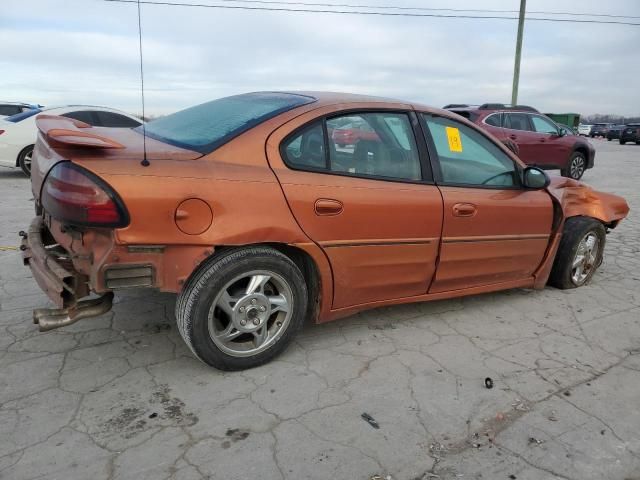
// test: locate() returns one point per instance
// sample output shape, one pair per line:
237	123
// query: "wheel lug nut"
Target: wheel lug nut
241	309
256	321
253	301
263	308
243	322
279	324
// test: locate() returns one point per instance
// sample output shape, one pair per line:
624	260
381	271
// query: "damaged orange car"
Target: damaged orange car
249	211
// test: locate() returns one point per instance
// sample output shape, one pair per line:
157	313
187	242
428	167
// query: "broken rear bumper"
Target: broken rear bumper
53	270
51	267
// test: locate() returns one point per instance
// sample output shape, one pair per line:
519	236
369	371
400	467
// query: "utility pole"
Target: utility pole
516	67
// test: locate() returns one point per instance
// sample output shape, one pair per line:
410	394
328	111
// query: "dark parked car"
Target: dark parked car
614	132
541	142
600	129
630	133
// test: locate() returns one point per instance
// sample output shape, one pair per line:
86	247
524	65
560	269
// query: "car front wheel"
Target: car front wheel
579	254
576	166
242	308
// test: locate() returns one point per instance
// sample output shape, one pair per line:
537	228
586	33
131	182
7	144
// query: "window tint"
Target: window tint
542	125
115	120
306	150
517	121
469	158
493	120
373	144
85	116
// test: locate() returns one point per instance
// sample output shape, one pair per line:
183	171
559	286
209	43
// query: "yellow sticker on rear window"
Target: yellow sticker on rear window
453	135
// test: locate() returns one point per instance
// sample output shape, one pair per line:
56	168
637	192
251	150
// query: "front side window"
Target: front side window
467	157
517	121
359	144
542	125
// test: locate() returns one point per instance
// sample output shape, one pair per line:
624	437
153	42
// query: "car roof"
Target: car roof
490	107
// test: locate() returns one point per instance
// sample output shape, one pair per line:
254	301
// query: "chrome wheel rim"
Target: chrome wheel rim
577	167
585	259
250	313
27	160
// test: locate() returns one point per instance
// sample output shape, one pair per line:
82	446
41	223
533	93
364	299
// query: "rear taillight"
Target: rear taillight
78	197
1	132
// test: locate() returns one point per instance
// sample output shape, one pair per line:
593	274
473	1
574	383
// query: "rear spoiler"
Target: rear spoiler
67	131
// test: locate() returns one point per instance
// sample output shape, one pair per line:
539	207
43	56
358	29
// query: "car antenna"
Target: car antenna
144	162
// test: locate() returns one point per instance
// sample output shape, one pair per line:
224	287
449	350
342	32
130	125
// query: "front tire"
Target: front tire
579	254
24	160
242	308
575	167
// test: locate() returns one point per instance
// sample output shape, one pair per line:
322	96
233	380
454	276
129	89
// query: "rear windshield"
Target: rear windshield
205	127
18	117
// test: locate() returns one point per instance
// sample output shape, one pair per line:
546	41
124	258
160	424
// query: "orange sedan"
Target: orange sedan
249	211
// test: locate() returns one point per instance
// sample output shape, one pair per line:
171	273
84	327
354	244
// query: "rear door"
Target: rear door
518	128
372	206
494	230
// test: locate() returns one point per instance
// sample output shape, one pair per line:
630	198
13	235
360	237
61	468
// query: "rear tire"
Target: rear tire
242	308
24	160
575	167
579	254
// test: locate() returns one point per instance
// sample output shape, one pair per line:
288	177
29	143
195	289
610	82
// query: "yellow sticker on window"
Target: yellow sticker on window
453	135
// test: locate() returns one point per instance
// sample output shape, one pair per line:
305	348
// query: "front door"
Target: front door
360	187
517	127
494	230
551	150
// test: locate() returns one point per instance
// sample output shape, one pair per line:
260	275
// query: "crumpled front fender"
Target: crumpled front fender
579	199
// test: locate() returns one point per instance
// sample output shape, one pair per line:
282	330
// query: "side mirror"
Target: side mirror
560	132
535	179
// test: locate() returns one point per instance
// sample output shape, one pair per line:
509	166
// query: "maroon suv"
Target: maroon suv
540	141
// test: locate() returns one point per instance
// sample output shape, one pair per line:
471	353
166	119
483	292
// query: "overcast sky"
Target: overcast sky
86	52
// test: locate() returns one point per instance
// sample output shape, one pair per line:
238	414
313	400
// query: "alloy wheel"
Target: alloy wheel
585	259
250	313
576	168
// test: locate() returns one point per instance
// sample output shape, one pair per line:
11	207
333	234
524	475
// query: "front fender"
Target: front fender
579	199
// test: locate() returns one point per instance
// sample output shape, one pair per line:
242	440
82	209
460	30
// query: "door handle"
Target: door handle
542	140
513	137
464	210
328	206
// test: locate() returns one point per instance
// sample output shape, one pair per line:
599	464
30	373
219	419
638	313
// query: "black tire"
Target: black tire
622	143
575	230
576	166
202	289
608	139
24	160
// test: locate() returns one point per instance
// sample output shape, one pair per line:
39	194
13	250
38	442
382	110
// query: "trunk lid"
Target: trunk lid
62	138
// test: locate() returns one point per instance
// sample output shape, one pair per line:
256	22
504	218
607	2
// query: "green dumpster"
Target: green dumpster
570	119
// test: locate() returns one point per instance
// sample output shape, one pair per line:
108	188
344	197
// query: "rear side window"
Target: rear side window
517	121
85	116
205	127
9	110
493	120
359	144
115	120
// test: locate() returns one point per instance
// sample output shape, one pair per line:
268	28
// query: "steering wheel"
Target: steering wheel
502	174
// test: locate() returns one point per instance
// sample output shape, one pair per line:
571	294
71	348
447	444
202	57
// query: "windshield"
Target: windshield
18	117
205	127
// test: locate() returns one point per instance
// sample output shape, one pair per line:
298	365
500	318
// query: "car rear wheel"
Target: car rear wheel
579	254
576	166
242	308
24	160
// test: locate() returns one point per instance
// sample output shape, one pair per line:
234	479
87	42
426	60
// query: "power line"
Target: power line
358	12
422	9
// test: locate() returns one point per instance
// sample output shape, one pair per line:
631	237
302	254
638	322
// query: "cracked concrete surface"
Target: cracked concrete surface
121	397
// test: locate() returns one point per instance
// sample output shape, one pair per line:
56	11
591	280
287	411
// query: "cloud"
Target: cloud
67	52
